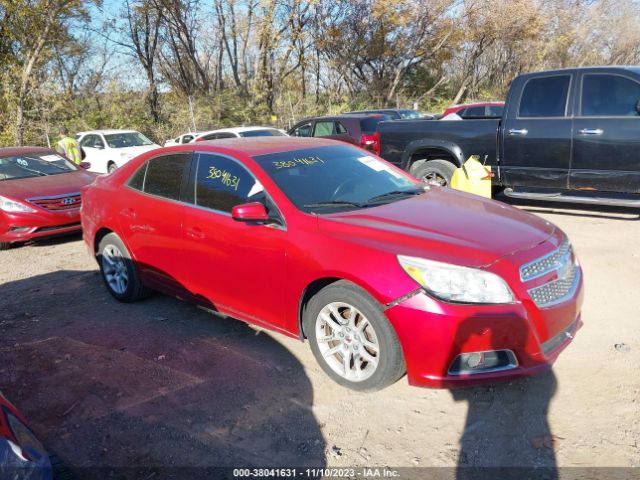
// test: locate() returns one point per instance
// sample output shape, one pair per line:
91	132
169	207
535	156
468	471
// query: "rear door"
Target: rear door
151	216
606	142
537	134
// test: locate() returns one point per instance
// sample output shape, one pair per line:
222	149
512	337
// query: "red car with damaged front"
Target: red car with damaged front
324	241
39	194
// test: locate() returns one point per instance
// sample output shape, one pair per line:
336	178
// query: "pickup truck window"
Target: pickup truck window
609	96
545	97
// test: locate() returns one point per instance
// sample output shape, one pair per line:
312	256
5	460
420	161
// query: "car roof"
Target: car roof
107	131
236	130
7	151
253	146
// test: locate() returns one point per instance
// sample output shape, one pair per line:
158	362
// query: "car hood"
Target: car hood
48	186
443	225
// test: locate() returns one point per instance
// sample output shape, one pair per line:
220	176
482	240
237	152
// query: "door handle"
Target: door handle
195	233
591	131
518	131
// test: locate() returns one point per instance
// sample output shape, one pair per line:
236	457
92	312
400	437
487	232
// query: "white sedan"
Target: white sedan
240	132
106	150
182	139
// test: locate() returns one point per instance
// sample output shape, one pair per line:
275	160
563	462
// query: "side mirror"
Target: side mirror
250	212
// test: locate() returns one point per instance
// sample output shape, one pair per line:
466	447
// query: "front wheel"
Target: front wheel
118	270
112	167
352	339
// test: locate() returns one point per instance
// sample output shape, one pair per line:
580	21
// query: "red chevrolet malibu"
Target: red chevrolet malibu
324	241
39	194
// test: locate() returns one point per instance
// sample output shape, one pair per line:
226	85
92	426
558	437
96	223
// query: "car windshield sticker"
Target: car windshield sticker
378	166
224	177
298	161
50	158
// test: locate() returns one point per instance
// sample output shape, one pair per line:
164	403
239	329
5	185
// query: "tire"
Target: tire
118	270
435	172
5	246
111	167
369	369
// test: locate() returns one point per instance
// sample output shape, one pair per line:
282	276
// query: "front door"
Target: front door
238	267
606	141
537	136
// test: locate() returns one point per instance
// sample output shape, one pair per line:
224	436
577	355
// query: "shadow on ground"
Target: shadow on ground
150	385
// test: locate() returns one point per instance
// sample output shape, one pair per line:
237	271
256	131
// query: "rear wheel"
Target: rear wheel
435	172
352	339
118	270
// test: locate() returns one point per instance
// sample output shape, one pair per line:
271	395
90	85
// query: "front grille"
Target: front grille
60	203
546	264
557	291
59	227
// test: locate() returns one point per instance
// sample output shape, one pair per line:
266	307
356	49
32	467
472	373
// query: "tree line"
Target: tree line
167	66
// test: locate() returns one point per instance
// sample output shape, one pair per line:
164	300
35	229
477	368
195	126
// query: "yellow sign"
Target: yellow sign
473	177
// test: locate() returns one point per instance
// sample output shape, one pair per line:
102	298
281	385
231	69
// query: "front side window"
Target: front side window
545	97
222	183
92	141
165	174
325	179
609	96
128	139
474	112
34	165
303	130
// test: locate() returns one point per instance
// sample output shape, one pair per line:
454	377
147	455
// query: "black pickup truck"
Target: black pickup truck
566	135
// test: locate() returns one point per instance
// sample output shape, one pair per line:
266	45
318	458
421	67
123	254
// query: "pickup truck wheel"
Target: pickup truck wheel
435	172
352	339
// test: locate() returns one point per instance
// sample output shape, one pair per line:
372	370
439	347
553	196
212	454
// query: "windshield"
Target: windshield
34	165
129	139
410	114
341	177
267	132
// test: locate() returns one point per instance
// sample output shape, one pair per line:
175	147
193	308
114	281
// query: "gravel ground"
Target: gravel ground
162	383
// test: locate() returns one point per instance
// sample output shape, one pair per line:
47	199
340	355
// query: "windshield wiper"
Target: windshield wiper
395	193
37	172
334	203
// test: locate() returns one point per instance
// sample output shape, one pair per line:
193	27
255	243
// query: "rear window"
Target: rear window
370	124
545	97
164	175
267	132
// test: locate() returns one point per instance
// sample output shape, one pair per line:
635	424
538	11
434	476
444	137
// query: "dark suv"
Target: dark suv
357	129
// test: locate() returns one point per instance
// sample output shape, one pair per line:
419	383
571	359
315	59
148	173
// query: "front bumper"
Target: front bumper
21	227
433	334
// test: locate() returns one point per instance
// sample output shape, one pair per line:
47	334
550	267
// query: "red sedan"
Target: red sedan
22	456
39	194
325	241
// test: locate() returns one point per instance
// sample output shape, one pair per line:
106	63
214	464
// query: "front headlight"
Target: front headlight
13	206
454	283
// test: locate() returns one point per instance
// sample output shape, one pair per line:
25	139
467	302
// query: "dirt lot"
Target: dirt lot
162	383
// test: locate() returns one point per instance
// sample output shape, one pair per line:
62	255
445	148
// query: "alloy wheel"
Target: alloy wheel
114	269
347	341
